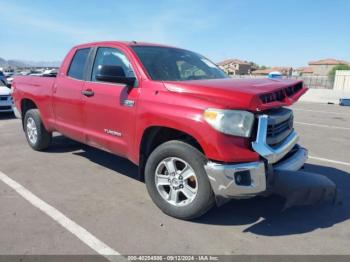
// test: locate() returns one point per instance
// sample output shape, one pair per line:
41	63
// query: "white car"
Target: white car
5	98
9	80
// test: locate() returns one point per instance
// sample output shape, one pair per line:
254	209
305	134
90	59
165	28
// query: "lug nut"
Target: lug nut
180	177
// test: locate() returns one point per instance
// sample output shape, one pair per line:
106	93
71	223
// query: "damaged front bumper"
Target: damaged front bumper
277	173
283	178
249	179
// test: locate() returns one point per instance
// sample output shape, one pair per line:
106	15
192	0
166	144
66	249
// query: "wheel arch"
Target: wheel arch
26	104
154	136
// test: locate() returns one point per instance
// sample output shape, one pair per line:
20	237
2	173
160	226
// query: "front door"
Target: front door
109	108
67	99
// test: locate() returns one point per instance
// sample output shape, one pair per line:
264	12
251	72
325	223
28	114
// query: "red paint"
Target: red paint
177	105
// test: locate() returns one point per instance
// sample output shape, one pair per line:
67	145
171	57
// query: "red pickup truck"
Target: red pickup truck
198	136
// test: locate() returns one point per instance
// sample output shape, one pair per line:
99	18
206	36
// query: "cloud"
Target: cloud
31	20
170	24
55	26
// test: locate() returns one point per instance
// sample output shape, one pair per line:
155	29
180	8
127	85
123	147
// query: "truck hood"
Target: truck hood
249	94
5	91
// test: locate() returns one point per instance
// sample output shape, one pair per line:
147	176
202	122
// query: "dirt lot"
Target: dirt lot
99	192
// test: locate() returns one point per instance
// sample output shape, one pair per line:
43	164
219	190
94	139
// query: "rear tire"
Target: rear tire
37	136
177	182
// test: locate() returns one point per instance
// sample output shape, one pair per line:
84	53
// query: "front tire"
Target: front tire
37	136
177	182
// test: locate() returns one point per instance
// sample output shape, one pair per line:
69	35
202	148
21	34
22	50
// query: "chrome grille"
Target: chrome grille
280	125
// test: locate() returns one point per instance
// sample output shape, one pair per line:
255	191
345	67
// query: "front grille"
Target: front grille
5	107
280	125
4	98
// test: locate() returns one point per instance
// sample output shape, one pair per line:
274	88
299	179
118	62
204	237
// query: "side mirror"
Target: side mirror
114	74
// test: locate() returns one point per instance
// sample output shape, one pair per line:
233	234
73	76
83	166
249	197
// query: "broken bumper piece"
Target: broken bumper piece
303	188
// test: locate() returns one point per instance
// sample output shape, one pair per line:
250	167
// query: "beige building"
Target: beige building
235	67
324	66
304	71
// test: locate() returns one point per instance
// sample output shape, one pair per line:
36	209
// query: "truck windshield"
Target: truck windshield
173	64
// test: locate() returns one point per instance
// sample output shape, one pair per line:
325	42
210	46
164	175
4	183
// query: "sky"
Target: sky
268	32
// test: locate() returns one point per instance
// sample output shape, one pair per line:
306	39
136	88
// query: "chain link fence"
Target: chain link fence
317	82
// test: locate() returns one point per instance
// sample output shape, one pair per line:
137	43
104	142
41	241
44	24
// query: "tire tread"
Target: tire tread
44	137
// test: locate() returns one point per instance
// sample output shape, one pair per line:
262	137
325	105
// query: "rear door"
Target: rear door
67	97
109	108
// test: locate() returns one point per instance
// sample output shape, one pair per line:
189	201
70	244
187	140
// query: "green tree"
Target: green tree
331	74
263	67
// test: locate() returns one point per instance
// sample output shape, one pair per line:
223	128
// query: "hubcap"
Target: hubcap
176	181
32	131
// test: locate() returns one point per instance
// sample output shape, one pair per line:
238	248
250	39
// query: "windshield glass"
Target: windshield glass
172	64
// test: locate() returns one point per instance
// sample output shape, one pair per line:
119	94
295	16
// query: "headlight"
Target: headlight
230	122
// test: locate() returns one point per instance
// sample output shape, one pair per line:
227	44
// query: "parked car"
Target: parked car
199	137
8	74
50	72
5	98
3	78
9	81
25	73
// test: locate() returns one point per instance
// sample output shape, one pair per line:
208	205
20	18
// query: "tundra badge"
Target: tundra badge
112	132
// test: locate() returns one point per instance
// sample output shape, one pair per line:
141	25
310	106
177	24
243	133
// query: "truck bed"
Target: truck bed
36	88
34	84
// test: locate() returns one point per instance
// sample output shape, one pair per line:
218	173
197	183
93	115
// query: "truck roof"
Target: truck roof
120	43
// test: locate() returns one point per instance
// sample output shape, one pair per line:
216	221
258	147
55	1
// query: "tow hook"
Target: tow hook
303	188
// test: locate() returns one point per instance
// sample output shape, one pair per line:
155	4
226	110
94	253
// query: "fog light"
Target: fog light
242	178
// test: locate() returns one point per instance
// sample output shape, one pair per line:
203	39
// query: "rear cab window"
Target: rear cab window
78	64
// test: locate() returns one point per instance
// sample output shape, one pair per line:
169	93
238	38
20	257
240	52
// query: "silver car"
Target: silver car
5	98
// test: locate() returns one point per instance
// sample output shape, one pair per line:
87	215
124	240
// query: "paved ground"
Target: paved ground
100	193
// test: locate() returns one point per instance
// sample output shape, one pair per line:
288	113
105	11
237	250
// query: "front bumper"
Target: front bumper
278	170
249	179
5	103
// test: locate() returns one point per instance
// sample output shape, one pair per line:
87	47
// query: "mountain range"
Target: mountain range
23	63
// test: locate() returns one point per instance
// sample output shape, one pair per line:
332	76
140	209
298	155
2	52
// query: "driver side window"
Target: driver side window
107	56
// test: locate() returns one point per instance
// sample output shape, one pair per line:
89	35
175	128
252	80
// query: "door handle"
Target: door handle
88	93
